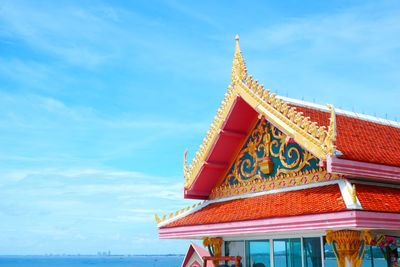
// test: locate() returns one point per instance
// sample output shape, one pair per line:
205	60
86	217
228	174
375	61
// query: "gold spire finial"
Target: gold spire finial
238	65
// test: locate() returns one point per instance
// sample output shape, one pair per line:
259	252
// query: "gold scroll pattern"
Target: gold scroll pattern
294	179
266	141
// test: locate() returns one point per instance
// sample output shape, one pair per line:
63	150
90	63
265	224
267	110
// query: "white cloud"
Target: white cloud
328	34
70	204
69	33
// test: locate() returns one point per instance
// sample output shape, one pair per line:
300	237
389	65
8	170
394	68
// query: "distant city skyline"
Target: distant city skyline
99	101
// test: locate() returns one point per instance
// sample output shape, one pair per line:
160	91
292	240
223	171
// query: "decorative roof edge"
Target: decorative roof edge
182	213
349	194
291	180
312	137
191	172
179	213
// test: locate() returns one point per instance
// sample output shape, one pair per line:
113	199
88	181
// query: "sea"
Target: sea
92	261
123	261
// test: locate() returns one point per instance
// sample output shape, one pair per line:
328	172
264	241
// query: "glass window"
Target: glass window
287	252
312	252
257	253
330	258
378	256
234	248
367	257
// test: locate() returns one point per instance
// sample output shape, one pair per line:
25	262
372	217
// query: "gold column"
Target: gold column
348	246
214	247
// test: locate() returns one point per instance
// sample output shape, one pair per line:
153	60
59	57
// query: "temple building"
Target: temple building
285	182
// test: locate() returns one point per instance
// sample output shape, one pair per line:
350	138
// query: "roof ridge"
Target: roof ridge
339	111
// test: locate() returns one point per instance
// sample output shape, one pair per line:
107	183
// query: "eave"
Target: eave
351	219
363	169
230	136
320	206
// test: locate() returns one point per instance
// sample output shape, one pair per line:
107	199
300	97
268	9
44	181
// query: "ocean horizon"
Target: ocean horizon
170	260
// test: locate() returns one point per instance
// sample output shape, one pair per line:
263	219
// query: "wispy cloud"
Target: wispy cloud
68	32
194	14
98	101
328	55
65	198
330	34
90	36
42	122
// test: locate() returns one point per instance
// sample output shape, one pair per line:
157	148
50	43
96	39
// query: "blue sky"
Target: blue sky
99	100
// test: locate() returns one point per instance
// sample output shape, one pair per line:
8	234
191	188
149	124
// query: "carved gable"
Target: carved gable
269	160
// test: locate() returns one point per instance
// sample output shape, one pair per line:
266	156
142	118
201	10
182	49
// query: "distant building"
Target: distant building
291	183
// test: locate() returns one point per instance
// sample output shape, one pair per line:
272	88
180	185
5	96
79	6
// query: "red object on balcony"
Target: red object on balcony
237	260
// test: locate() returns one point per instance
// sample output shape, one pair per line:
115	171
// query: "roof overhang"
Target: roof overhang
352	219
232	134
362	169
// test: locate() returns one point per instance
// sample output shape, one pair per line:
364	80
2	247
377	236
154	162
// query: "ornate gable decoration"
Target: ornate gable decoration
269	153
270	160
316	139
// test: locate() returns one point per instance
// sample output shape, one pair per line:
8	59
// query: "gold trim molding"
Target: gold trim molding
190	172
176	213
281	181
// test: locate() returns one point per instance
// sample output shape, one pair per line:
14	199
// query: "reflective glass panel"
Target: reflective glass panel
330	258
287	252
257	253
367	257
378	257
312	252
234	248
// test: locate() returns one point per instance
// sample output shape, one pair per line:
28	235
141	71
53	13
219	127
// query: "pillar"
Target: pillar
348	246
214	247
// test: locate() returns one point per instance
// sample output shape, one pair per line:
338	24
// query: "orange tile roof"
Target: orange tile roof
359	139
314	200
377	198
